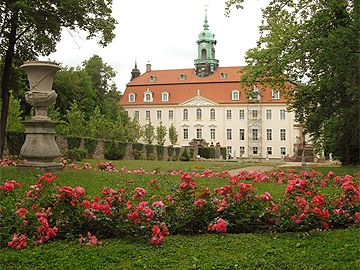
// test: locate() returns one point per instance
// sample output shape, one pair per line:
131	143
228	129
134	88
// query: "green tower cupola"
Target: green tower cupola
206	64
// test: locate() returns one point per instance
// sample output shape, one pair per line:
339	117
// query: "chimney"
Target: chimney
148	67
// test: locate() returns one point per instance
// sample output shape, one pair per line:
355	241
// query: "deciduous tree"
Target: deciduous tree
173	134
31	28
161	132
315	43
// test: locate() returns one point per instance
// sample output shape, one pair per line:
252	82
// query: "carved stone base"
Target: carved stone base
44	167
40	148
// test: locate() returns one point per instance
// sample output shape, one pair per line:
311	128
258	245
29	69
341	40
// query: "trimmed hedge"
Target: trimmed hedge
137	146
15	140
160	152
73	142
177	151
192	150
149	151
207	152
223	151
170	150
115	152
90	145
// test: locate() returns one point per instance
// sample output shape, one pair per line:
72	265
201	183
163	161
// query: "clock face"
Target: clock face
204	44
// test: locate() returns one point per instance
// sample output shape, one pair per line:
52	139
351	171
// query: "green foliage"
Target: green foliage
136	154
14	115
15	140
177	151
137	146
115	152
174	158
134	130
324	87
98	125
170	149
90	144
107	144
192	150
173	134
160	152
75	122
77	154
149	150
184	156
223	151
73	141
161	132
207	152
148	133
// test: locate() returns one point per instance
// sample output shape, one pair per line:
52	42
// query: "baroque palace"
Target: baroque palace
206	104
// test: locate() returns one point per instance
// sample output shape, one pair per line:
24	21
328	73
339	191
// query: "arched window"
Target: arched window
212	114
198	114
185	114
203	53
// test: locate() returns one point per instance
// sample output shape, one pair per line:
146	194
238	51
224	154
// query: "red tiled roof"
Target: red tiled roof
211	87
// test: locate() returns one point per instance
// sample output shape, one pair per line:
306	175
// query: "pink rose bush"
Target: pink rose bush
52	211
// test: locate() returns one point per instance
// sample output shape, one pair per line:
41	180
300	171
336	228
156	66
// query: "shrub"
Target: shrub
149	150
184	156
174	158
170	149
192	150
207	152
160	152
15	140
151	156
137	146
73	142
115	153
136	154
90	144
223	151
177	151
77	154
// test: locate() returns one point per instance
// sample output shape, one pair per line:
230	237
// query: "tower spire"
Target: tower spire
206	25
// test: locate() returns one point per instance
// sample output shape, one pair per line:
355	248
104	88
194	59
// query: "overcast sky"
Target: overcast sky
164	32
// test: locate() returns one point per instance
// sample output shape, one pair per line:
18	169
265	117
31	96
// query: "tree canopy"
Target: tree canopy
31	28
316	44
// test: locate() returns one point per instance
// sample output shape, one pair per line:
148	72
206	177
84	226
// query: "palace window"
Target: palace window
228	114
229	149
275	94
171	115
158	115
255	150
282	114
268	114
198	133
152	78
241	134
229	134
223	75
147	115
242	150
235	95
148	96
185	134
185	114
212	134
269	150
282	134
254	114
241	114
269	134
165	96
137	115
212	114
182	77
131	97
283	151
198	114
255	134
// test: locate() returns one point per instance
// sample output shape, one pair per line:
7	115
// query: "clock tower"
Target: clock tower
206	64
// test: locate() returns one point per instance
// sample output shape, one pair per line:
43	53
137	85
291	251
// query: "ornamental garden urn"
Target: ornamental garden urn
40	148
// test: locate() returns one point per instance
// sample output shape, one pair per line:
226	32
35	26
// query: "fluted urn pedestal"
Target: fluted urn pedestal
40	148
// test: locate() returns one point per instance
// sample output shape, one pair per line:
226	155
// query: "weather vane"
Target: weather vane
206	6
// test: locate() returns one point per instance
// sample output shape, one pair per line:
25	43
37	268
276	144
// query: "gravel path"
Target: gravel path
263	168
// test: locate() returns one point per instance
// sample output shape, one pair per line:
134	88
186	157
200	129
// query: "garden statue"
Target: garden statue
241	159
303	160
40	148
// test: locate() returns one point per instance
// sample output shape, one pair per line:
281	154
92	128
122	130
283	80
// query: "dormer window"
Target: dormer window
182	77
223	75
275	94
131	97
148	96
235	95
165	96
255	95
152	78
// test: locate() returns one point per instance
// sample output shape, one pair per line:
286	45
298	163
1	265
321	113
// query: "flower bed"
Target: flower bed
50	211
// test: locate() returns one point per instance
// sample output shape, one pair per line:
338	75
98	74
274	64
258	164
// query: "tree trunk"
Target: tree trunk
5	94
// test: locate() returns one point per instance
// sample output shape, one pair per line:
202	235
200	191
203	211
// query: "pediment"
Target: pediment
198	101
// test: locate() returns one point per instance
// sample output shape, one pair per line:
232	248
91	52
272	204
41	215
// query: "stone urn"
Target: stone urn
41	77
40	148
